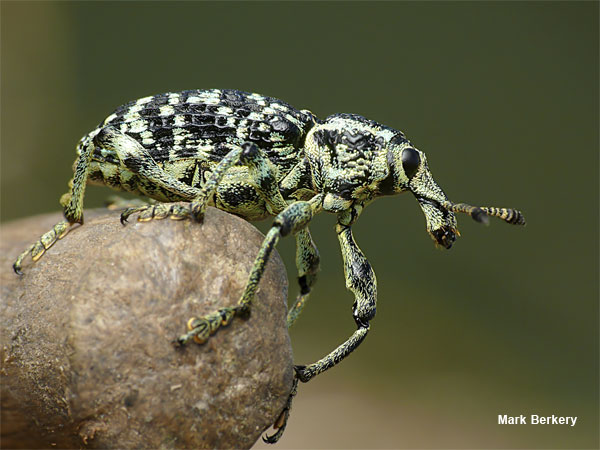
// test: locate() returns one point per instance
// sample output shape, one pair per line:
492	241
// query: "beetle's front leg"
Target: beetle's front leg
307	263
360	279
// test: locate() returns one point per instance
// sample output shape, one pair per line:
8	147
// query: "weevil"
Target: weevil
256	156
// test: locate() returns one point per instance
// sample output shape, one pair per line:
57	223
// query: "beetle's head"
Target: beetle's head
409	172
354	159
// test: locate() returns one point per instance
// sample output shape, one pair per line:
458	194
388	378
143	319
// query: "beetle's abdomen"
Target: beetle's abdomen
194	125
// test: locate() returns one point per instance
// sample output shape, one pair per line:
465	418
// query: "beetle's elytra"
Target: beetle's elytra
256	156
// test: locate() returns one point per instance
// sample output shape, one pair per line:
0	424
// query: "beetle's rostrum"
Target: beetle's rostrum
257	156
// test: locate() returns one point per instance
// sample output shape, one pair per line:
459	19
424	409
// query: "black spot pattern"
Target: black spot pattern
208	119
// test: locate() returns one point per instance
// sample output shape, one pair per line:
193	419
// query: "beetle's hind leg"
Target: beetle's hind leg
73	208
137	159
261	172
157	210
47	240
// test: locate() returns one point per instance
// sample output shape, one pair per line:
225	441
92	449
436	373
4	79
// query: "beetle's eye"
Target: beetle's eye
410	161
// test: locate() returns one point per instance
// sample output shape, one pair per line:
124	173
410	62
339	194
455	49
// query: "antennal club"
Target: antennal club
480	213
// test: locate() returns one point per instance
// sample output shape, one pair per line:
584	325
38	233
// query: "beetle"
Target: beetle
257	156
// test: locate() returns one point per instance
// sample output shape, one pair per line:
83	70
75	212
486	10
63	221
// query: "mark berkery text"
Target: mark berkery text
534	419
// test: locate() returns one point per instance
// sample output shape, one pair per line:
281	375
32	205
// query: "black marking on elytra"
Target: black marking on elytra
203	122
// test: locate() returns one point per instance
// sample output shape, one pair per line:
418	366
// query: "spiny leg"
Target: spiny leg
197	207
73	208
137	159
360	279
307	263
264	177
294	218
201	328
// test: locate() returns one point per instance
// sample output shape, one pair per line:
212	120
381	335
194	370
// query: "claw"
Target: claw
17	268
273	438
196	210
124	217
128	212
17	264
279	425
198	330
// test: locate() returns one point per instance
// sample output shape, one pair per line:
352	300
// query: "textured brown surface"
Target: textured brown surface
87	358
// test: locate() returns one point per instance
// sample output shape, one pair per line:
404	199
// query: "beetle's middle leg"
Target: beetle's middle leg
360	279
290	221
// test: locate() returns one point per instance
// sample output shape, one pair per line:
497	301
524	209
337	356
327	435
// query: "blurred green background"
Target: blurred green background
502	97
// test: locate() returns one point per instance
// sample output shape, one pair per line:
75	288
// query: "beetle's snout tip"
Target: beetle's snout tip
444	236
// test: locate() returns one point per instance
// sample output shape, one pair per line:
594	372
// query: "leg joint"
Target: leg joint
304	285
362	323
294	218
